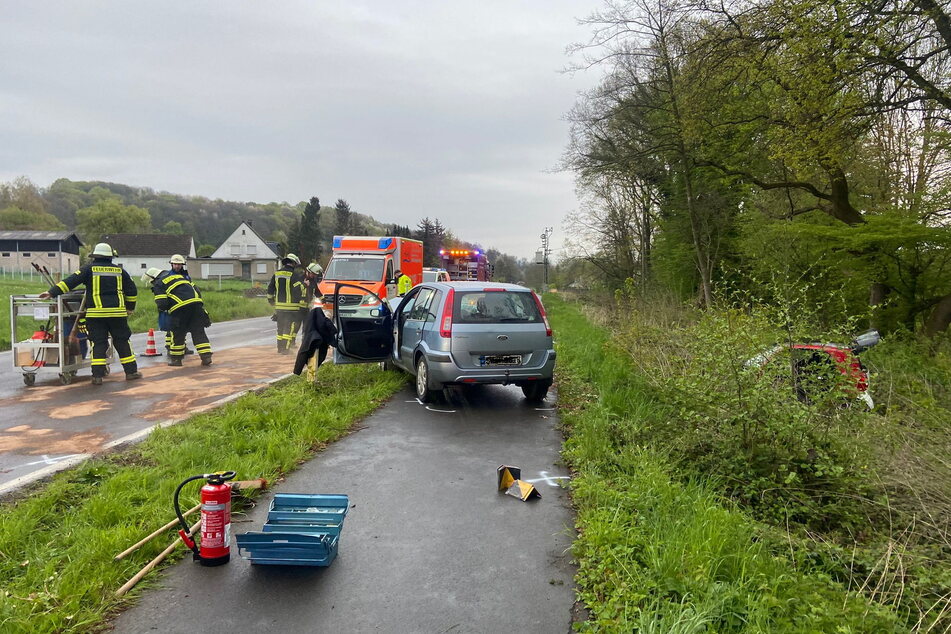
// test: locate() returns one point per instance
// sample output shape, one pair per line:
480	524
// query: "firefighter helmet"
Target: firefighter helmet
103	250
315	268
293	259
176	259
151	274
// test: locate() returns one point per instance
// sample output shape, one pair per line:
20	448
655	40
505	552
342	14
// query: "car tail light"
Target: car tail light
541	309
445	323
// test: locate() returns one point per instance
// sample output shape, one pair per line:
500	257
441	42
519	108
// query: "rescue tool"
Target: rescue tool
213	549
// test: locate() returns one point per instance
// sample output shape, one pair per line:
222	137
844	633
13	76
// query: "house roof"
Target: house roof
163	244
38	235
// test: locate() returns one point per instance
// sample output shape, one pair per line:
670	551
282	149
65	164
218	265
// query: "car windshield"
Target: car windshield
354	269
481	307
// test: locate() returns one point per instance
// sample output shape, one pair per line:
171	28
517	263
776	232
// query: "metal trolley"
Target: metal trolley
49	347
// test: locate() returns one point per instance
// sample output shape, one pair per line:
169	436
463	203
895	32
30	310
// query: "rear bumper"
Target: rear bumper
442	369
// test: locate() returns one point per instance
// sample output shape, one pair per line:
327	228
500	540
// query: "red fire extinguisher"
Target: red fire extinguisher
215	519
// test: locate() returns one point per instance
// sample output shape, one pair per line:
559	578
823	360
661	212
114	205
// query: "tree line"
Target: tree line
306	228
778	147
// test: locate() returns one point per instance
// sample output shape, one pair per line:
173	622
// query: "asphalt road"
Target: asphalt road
51	426
429	544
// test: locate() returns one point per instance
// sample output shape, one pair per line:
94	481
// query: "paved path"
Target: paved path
51	426
429	544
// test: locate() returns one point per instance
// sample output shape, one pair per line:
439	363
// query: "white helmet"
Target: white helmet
151	274
103	249
315	268
293	258
176	259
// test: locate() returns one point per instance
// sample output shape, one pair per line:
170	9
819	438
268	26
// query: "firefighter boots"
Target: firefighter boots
205	358
175	361
97	380
132	376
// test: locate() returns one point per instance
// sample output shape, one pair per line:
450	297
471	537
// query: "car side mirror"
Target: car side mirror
865	341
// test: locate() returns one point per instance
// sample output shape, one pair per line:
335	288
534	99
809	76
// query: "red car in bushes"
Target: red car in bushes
813	367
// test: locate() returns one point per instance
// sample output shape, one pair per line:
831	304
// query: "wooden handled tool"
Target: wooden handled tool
236	485
152	564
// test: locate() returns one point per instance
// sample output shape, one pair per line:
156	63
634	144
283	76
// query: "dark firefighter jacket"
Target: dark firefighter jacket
286	289
172	291
318	329
110	292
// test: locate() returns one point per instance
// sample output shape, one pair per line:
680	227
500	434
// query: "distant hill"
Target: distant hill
208	221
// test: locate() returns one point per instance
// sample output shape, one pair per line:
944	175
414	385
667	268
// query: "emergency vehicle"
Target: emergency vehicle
466	265
370	263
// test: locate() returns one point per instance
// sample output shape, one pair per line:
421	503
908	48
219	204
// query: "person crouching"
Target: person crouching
178	295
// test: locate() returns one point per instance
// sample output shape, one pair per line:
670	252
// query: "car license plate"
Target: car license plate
500	359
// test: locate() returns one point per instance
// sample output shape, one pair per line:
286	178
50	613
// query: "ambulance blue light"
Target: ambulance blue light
385	243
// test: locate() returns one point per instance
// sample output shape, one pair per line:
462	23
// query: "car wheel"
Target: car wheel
424	392
536	391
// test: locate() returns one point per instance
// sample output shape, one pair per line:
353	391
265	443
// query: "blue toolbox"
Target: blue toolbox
301	530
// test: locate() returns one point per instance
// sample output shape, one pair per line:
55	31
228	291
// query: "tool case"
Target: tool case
302	529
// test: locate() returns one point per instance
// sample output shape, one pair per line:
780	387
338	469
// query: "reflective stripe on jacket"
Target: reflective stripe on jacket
172	291
286	289
110	291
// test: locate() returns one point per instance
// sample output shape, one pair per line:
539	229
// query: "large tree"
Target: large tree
14	218
343	225
304	237
108	216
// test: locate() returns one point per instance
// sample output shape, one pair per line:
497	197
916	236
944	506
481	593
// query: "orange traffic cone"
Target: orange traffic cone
150	350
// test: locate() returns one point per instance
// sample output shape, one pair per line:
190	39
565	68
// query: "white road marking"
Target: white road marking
47	460
548	479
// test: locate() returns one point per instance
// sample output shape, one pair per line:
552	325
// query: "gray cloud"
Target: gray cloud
451	110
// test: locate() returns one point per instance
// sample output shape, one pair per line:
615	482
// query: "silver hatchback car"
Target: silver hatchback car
453	333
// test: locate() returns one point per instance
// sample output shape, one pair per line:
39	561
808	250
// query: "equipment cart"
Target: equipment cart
51	320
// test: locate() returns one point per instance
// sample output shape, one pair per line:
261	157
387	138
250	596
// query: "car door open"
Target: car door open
364	327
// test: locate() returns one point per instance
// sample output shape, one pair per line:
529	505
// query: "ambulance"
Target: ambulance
368	263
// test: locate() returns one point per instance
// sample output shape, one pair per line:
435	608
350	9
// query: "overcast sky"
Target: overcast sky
451	110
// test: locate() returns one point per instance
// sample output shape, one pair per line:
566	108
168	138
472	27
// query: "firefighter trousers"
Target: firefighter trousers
288	323
189	319
99	330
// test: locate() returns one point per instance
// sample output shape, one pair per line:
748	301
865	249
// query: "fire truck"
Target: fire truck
466	264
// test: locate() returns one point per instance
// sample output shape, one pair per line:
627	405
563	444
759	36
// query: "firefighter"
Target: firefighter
177	263
176	295
403	283
313	274
286	292
110	299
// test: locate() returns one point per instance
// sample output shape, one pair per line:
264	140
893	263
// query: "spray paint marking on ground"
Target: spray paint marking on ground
79	418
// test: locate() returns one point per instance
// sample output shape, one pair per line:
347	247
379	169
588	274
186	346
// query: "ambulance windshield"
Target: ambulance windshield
354	269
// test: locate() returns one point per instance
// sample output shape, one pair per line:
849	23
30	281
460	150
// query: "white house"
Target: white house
138	252
244	254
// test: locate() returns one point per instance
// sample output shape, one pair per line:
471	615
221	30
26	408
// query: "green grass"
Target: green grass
57	544
662	552
223	304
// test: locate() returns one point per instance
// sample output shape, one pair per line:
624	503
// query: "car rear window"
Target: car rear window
495	307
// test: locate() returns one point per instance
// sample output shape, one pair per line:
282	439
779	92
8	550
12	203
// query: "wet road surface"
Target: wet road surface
429	545
51	426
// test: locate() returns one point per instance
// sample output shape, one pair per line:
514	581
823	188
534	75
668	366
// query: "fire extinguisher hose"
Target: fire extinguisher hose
181	518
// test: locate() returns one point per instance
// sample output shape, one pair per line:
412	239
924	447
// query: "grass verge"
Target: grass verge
662	552
57	545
